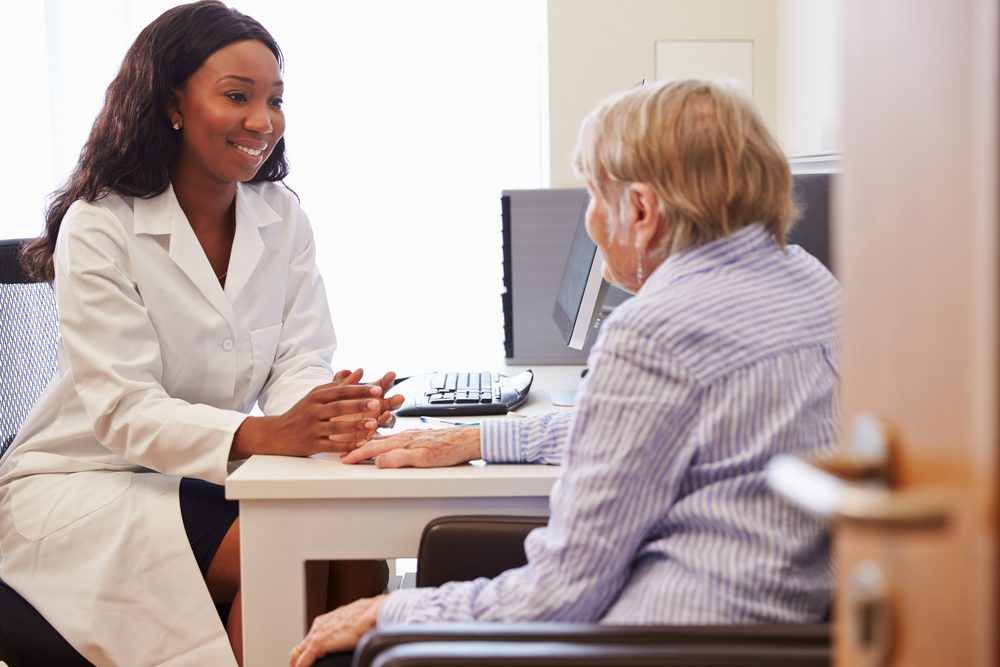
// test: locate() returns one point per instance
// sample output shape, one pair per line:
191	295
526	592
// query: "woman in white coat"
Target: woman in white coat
187	294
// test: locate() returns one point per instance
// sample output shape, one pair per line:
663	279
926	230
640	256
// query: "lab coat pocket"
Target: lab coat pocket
42	504
263	347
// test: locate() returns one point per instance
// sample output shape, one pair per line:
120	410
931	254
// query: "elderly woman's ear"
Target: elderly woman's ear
647	219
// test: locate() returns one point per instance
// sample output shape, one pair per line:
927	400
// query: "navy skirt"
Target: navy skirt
208	516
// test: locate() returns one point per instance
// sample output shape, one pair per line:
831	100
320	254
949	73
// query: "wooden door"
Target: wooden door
916	246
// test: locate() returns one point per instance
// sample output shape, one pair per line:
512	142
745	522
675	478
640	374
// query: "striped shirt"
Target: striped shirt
727	356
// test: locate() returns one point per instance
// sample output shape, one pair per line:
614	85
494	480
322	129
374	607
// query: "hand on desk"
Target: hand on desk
420	448
332	417
338	630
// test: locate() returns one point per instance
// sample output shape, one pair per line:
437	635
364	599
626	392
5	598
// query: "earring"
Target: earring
640	275
176	126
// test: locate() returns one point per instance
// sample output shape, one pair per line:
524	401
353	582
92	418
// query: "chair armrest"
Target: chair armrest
531	654
463	548
569	639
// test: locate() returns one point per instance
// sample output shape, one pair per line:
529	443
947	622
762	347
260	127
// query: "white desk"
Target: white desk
297	509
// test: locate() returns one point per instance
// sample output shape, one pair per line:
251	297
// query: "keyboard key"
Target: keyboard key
451	382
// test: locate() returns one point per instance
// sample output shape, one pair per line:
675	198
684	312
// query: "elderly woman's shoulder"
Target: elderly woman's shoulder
714	320
653	312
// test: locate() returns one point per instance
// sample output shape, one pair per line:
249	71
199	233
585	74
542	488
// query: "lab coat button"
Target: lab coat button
227	344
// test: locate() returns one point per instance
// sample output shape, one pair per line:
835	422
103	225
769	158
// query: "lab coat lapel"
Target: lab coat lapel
252	213
163	215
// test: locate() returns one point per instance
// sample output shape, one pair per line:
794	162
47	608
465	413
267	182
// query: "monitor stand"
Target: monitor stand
565	399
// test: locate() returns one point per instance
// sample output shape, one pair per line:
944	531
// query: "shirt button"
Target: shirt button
227	344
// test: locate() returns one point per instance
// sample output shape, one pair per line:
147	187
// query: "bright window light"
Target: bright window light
406	120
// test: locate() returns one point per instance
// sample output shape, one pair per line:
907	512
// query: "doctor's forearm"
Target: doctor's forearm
254	436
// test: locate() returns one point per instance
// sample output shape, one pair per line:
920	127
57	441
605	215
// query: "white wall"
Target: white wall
809	91
599	47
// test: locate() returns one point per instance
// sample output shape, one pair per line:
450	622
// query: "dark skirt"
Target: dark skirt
208	516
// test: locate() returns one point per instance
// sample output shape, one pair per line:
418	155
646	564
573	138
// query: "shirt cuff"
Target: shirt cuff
537	439
398	605
500	440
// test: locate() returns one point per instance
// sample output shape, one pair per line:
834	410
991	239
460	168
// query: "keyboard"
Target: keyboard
462	393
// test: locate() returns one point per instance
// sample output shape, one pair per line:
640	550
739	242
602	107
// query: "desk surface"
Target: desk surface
293	510
325	477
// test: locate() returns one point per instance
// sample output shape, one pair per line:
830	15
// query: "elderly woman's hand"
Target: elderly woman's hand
420	448
338	630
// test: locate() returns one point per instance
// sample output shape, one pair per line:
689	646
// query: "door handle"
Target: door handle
857	487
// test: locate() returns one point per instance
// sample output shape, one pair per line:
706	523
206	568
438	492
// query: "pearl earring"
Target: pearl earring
176	126
640	275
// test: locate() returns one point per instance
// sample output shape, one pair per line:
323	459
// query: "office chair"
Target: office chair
462	548
28	340
29	331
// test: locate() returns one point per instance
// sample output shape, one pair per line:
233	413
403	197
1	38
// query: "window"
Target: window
405	122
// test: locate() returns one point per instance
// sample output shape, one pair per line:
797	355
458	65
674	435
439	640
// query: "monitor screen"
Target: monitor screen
812	179
582	289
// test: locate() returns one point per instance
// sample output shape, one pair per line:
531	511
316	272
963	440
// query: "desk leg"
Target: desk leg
277	537
273	582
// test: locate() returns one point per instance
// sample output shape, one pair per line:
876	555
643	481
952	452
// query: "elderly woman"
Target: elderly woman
726	356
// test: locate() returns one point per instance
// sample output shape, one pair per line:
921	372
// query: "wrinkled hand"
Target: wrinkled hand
420	448
338	630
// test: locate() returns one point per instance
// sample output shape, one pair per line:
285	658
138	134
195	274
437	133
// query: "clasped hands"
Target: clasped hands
334	417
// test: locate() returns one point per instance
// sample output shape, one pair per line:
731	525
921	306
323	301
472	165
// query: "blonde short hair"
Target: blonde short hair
703	149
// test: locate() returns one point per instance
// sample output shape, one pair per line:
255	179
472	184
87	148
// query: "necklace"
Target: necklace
223	275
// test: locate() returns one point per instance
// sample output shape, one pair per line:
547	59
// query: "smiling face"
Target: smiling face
230	114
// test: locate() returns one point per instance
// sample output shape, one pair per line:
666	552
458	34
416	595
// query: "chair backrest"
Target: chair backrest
29	334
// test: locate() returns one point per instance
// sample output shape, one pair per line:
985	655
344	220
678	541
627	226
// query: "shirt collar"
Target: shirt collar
705	257
159	214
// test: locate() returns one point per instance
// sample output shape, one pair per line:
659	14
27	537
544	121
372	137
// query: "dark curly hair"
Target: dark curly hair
132	148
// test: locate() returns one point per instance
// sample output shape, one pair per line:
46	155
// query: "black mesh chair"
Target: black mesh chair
29	331
464	547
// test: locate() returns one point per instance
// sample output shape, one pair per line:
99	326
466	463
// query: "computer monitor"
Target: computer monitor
582	290
812	180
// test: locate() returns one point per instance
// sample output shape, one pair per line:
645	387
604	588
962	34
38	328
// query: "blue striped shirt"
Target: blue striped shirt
727	356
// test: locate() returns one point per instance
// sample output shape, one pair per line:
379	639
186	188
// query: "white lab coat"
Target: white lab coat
158	366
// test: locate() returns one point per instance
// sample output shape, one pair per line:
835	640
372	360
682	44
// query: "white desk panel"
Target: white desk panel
293	510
